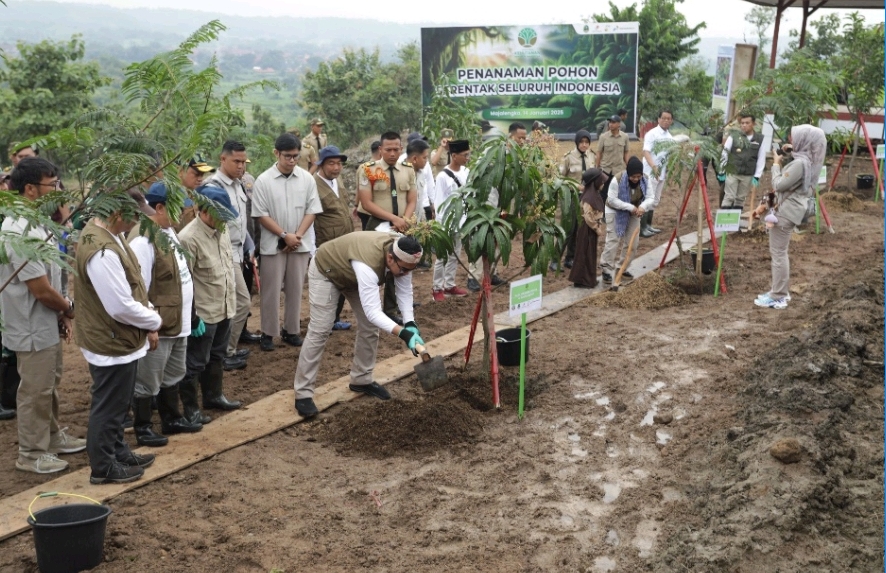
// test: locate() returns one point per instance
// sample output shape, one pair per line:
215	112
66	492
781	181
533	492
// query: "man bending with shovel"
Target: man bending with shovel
356	265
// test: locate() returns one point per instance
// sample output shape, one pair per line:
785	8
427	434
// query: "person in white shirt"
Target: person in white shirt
356	265
654	167
170	287
115	327
450	179
424	174
629	197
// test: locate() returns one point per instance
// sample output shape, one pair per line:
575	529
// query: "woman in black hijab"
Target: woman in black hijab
584	269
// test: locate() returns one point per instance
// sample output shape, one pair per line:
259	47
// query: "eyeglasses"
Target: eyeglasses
400	270
57	184
290	156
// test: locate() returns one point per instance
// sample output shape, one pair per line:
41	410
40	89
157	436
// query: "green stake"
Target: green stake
817	211
522	366
720	264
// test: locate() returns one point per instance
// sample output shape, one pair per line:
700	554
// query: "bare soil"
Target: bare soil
646	445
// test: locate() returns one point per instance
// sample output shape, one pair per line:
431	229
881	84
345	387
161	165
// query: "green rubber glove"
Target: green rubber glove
410	335
721	177
755	181
200	329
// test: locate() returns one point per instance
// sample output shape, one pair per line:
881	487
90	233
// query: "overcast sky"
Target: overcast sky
723	17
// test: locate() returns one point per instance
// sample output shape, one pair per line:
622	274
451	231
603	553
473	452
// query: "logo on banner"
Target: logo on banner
527	37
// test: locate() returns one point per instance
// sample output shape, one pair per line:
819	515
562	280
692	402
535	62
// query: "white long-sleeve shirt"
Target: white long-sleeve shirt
108	277
144	252
613	203
367	289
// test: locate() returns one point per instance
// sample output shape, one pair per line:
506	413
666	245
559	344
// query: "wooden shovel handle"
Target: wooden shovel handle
627	260
425	357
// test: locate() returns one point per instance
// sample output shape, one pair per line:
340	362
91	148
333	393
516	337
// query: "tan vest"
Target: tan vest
335	220
94	328
166	288
334	258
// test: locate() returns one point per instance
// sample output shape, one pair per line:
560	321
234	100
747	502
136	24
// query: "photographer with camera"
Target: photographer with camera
791	189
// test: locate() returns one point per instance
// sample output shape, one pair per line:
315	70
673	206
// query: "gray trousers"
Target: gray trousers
614	252
444	271
284	271
244	301
37	399
163	367
779	241
736	190
112	389
323	297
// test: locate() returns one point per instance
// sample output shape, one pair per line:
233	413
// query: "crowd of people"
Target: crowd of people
161	309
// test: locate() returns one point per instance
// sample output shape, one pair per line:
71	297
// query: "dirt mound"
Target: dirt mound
650	291
402	428
820	389
835	202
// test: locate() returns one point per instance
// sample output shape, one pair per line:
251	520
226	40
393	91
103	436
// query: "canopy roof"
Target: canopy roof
847	4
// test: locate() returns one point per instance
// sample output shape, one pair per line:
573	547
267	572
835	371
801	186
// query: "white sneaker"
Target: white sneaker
769	302
787	297
62	443
45	464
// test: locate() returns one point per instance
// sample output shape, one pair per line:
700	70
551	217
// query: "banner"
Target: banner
723	79
568	77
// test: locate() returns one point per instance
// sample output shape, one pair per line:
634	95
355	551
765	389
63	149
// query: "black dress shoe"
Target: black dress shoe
291	339
374	389
627	275
474	285
6	413
267	343
232	363
568	263
497	280
241	353
306	408
607	278
249	338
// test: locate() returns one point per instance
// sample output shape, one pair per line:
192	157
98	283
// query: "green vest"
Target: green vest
166	289
94	328
743	155
335	220
334	258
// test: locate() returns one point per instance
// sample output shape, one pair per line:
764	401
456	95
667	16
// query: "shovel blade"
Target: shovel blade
431	374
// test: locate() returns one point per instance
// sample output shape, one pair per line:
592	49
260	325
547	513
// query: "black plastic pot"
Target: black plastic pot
864	181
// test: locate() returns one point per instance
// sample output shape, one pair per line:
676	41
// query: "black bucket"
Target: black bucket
864	181
69	538
707	260
507	342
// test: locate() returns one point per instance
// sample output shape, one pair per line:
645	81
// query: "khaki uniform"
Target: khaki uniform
318	142
442	162
570	165
308	156
382	194
611	150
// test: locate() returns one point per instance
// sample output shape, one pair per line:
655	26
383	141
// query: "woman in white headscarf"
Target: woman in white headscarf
792	189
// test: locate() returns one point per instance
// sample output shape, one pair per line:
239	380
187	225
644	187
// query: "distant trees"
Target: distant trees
358	95
47	87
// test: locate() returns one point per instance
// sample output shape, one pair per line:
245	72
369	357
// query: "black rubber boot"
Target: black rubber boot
171	419
211	381
187	388
645	231
649	226
144	429
9	380
6	414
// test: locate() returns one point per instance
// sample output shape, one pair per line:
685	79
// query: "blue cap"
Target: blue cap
219	196
331	152
157	194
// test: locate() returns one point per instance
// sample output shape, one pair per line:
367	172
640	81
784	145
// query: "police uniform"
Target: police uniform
317	141
382	194
308	156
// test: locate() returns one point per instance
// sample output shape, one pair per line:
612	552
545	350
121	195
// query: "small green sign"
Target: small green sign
727	220
525	295
881	151
823	175
503	114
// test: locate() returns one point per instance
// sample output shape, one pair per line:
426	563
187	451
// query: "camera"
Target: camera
784	150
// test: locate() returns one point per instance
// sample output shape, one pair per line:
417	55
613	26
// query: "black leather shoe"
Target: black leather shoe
267	343
627	275
497	280
291	339
233	363
607	278
241	353
474	285
140	460
249	338
568	263
179	426
306	408
374	389
6	414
